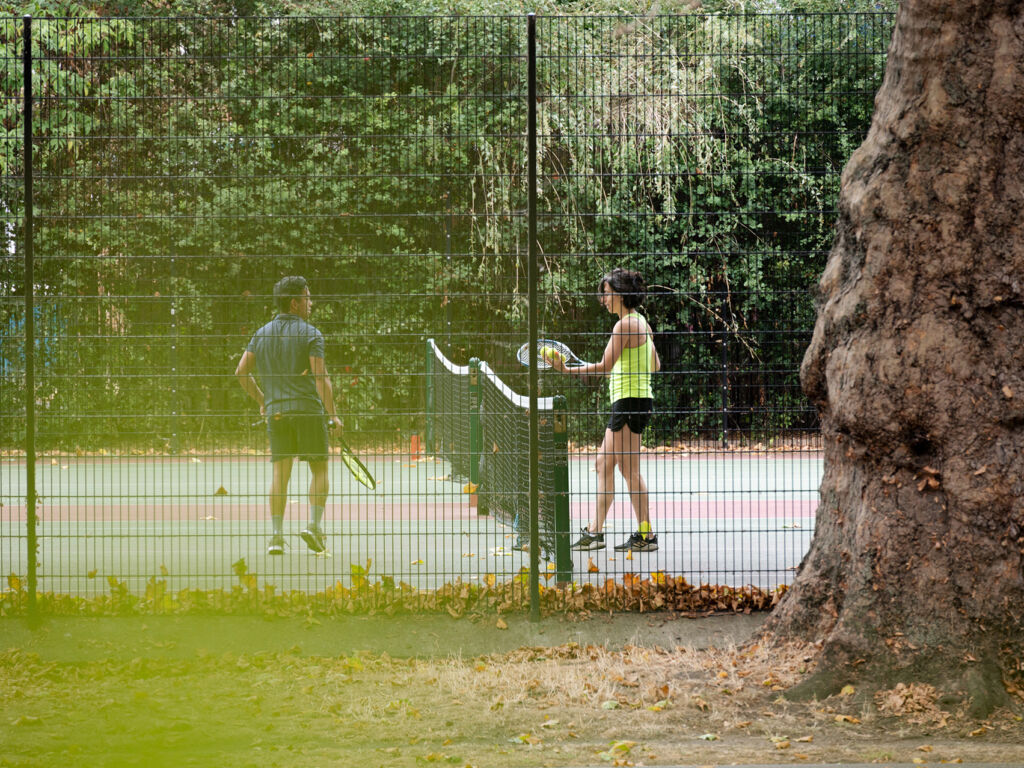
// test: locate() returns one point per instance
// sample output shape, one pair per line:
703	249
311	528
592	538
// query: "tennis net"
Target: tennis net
453	410
475	399
505	463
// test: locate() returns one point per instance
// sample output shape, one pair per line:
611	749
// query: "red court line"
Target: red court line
711	509
398	510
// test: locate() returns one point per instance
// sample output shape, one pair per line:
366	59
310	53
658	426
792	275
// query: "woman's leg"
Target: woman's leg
629	465
605	464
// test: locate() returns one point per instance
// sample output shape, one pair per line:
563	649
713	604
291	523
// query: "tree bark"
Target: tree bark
917	367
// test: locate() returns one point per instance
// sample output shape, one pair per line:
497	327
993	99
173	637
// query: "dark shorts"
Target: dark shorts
298	436
632	411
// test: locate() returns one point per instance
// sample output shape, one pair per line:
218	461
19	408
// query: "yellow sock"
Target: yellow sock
645	527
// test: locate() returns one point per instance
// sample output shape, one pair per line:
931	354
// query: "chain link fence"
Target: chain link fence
161	174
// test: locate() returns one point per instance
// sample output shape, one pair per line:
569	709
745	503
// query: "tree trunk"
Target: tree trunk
917	368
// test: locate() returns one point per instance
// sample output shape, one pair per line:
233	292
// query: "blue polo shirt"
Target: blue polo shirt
282	349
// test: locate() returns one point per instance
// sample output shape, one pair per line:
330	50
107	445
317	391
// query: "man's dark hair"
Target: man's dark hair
288	288
628	283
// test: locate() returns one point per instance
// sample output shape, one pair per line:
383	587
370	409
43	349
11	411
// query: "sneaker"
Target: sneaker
276	546
638	542
589	541
314	539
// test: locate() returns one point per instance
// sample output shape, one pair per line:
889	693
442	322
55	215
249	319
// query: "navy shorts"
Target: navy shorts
298	436
632	411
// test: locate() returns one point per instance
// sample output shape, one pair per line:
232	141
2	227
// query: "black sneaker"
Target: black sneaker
314	539
276	546
638	542
589	541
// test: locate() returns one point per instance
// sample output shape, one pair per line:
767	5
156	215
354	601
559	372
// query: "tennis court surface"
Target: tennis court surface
726	518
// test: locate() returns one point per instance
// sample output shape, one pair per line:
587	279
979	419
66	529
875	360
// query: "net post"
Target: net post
476	434
563	556
428	437
32	543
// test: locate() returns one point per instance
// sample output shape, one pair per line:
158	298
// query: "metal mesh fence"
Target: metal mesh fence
181	166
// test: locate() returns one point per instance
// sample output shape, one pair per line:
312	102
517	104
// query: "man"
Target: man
288	354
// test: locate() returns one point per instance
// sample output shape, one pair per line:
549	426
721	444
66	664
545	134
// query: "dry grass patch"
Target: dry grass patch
537	706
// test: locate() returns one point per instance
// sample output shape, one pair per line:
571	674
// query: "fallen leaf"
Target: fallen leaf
615	751
500	624
525	738
709	737
592	567
1007	393
220	492
469	488
848	690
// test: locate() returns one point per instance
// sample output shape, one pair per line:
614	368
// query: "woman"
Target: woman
629	358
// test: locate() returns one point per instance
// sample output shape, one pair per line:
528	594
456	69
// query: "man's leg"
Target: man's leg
278	501
319	485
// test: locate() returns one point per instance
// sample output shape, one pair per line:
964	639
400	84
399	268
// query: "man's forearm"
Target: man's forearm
326	392
251	388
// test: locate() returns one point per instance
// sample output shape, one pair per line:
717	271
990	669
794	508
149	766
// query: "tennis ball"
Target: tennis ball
549	353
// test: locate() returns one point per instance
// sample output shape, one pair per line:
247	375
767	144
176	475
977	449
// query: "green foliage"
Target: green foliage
187	164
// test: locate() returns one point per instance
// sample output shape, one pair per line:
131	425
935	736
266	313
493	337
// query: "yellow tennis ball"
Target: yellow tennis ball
549	353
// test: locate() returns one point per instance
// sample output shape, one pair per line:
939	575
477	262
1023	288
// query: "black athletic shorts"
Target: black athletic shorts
298	435
634	411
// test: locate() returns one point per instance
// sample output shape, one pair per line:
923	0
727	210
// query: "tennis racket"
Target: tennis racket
349	459
549	345
355	466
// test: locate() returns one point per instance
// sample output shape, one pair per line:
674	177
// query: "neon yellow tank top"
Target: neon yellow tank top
631	374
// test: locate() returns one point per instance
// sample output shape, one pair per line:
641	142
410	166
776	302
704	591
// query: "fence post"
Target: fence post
532	277
30	334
